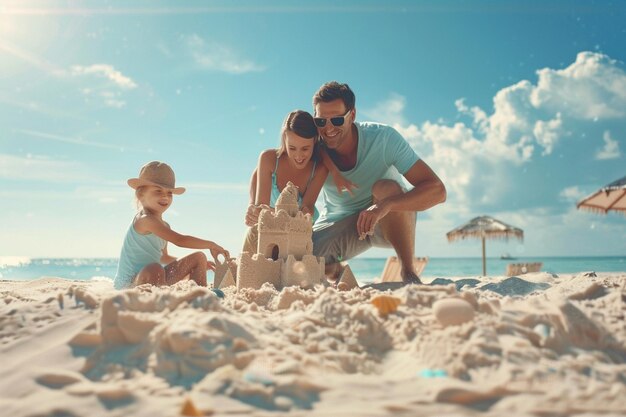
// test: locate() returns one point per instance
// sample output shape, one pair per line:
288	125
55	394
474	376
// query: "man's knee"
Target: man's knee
385	188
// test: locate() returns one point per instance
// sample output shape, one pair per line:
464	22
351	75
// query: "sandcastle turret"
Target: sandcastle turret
288	200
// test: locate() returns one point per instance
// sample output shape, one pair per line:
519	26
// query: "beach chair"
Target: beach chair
391	271
523	268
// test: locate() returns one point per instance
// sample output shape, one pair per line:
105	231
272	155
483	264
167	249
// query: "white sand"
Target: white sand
72	348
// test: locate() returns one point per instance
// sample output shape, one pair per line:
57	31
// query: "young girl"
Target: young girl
298	160
145	246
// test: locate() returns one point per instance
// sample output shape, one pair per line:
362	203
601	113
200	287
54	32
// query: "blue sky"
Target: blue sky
520	107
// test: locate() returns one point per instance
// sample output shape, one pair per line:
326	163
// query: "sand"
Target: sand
534	345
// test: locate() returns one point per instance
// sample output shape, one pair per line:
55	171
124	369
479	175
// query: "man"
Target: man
378	211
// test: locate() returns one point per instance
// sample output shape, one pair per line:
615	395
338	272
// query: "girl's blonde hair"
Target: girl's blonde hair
301	123
138	193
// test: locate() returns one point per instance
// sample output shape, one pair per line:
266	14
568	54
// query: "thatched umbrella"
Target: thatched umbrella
607	198
485	227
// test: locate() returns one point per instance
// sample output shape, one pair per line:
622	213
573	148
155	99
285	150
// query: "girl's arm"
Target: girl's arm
313	190
150	224
266	164
340	181
166	258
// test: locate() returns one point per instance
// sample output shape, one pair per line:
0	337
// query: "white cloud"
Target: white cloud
611	148
36	168
390	110
108	93
105	71
547	133
592	87
71	140
572	193
112	99
211	186
477	160
213	56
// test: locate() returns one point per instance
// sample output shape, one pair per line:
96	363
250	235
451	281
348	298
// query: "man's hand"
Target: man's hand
369	218
252	214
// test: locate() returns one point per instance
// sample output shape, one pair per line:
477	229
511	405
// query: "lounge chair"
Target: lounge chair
523	268
391	271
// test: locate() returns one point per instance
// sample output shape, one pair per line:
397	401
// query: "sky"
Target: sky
519	107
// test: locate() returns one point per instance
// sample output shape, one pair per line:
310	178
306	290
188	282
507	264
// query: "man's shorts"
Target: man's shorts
339	241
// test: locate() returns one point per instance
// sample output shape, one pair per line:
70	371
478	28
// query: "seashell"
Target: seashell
453	311
189	409
386	304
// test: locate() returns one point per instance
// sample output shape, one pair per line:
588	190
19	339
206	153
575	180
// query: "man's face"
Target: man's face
334	136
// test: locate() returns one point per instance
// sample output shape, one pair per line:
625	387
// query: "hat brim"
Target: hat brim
138	182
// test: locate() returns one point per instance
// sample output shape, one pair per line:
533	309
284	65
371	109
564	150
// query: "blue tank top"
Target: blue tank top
276	192
137	251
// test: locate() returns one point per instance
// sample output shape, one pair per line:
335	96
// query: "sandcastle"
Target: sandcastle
284	255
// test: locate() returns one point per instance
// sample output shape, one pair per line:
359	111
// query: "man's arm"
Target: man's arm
428	191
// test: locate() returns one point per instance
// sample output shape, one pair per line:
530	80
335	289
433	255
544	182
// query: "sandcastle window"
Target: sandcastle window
272	251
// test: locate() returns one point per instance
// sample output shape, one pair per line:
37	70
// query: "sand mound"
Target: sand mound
539	345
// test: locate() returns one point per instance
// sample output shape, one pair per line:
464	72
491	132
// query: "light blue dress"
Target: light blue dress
276	192
137	251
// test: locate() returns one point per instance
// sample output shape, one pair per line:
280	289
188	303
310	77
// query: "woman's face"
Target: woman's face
299	149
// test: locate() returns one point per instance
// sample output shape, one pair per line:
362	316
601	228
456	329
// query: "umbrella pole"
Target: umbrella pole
484	261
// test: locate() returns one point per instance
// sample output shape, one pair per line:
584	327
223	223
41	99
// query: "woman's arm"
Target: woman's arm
262	188
340	181
252	193
267	162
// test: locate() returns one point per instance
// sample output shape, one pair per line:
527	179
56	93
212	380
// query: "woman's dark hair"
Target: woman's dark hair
301	123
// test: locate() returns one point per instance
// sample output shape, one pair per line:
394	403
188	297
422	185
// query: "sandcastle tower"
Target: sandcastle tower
284	254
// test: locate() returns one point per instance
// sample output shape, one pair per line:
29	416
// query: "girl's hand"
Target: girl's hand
210	266
344	184
217	250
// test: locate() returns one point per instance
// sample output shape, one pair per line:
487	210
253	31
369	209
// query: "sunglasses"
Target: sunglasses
336	121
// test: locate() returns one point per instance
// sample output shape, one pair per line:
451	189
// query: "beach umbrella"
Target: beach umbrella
485	227
607	198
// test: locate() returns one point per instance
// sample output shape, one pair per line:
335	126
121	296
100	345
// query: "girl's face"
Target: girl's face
156	199
299	149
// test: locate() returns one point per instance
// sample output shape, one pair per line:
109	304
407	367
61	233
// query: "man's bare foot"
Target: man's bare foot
410	278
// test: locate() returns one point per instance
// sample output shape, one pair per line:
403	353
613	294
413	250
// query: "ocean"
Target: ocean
365	269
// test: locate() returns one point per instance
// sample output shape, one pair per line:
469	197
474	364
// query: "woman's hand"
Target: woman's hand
252	214
343	184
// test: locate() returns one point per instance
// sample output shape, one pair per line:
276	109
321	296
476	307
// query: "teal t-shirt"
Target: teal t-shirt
382	153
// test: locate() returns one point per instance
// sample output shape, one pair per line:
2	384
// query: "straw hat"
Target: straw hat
156	173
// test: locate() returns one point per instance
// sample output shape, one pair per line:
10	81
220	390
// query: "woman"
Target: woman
296	160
